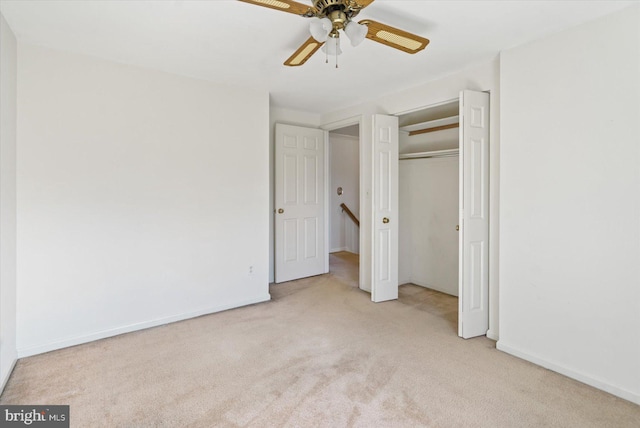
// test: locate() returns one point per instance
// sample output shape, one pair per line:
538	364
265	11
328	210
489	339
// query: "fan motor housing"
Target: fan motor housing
324	7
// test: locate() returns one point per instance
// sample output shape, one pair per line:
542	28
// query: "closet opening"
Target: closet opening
429	204
344	203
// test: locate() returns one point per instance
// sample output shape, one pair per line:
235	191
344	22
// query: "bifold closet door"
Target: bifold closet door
385	208
473	317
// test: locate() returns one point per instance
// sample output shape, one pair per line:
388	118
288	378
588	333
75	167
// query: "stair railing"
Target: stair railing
350	214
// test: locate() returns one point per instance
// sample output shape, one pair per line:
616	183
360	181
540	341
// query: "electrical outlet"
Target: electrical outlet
250	270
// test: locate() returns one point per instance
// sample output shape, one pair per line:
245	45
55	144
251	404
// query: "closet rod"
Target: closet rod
431	154
437	128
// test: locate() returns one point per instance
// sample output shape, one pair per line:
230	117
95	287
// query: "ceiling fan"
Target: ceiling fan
331	16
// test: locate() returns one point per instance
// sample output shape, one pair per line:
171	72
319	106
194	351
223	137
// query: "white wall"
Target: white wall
481	77
344	169
8	99
428	248
141	198
570	203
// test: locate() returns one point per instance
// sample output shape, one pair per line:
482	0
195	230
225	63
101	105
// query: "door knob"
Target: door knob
457	227
280	211
385	220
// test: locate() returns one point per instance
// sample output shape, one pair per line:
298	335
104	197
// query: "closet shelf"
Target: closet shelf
432	125
431	154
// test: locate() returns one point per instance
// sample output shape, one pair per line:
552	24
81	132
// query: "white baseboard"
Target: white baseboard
490	333
422	284
581	377
337	250
78	340
6	377
402	280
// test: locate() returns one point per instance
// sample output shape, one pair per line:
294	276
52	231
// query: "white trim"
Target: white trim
559	368
346	137
78	340
337	250
327	180
413	110
355	120
490	333
429	287
6	378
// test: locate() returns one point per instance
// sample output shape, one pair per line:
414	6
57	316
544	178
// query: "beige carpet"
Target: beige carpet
319	354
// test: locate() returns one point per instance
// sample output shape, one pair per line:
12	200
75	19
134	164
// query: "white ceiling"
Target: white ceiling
236	43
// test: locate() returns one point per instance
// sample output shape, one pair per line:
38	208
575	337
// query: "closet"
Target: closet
429	197
444	204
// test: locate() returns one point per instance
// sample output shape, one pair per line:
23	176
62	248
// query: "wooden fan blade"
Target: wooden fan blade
394	37
284	5
304	52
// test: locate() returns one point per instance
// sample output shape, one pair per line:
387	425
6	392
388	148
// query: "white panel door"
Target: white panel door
473	316
299	203
385	209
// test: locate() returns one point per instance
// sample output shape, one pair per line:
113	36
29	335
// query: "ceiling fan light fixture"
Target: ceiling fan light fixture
320	29
329	17
332	46
356	32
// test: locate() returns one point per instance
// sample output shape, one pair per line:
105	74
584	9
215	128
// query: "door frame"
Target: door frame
365	263
491	178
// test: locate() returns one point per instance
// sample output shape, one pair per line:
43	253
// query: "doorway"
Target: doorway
379	159
438	145
429	209
344	201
